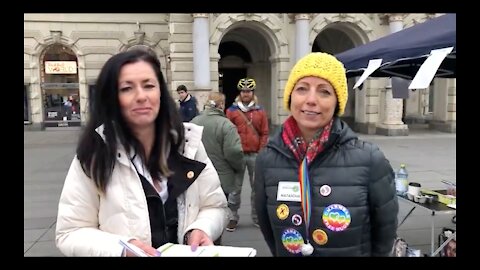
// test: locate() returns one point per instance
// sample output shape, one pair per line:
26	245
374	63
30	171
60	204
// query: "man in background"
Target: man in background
188	104
252	125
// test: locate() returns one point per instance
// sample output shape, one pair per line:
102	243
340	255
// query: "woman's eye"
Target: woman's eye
124	89
301	89
325	92
149	86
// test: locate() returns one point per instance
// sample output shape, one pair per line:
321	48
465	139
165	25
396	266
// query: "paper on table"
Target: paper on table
373	65
177	250
429	68
454	206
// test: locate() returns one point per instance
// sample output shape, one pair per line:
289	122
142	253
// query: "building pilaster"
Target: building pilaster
301	35
391	124
201	52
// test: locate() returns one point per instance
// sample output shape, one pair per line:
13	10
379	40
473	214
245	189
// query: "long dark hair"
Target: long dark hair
97	157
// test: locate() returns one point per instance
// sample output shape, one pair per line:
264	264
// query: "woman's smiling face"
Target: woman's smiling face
313	103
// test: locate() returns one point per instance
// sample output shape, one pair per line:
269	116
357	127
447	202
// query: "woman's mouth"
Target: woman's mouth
310	112
142	110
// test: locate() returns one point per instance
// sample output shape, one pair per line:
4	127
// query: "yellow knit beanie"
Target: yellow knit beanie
322	65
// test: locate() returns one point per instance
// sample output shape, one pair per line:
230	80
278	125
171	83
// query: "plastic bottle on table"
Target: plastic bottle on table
401	180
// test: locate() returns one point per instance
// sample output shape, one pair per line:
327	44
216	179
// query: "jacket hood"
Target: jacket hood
213	111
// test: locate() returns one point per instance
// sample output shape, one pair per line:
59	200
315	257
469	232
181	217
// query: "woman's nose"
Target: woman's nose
141	93
311	96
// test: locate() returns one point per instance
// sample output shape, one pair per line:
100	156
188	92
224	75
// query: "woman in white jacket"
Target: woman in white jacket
139	175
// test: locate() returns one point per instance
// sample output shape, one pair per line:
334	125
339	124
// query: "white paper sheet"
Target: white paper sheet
373	65
177	250
454	206
427	70
134	249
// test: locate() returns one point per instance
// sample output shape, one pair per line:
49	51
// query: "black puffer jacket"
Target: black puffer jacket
361	179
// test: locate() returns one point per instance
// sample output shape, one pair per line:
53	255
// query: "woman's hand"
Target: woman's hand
198	238
144	247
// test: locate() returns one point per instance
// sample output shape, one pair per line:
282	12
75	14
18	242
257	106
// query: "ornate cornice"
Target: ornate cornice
200	15
298	16
387	18
302	16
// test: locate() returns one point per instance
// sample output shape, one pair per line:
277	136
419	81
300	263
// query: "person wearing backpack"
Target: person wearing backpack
252	125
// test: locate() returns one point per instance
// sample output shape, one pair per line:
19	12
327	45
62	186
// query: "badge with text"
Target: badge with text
282	211
336	217
320	237
288	191
292	240
296	220
325	190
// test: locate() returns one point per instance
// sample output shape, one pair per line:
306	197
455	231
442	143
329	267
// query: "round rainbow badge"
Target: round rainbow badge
336	217
292	240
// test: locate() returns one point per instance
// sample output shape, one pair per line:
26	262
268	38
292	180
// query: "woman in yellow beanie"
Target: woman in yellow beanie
320	191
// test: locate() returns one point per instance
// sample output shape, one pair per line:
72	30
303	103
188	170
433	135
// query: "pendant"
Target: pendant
307	249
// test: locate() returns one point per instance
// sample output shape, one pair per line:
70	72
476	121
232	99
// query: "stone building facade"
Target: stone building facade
63	54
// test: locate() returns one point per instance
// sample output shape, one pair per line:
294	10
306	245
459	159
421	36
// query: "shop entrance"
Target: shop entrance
60	88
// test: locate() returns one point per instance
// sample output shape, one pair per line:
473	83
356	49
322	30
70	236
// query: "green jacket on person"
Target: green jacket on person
223	146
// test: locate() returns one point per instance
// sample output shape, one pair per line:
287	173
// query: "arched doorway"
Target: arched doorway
244	52
235	59
334	41
60	87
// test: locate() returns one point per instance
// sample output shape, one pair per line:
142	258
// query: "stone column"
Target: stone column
83	92
36	100
201	51
301	35
391	124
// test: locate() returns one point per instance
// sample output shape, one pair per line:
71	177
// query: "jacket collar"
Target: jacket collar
339	134
255	101
193	139
187	98
186	169
185	172
213	111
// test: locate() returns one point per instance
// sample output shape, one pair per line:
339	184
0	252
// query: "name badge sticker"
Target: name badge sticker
288	191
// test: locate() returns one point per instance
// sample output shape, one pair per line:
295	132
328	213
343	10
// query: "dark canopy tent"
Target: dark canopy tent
403	52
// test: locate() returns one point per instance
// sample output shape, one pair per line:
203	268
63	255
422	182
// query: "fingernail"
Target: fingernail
194	248
158	253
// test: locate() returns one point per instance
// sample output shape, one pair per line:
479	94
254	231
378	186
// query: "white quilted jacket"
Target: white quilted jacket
91	224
